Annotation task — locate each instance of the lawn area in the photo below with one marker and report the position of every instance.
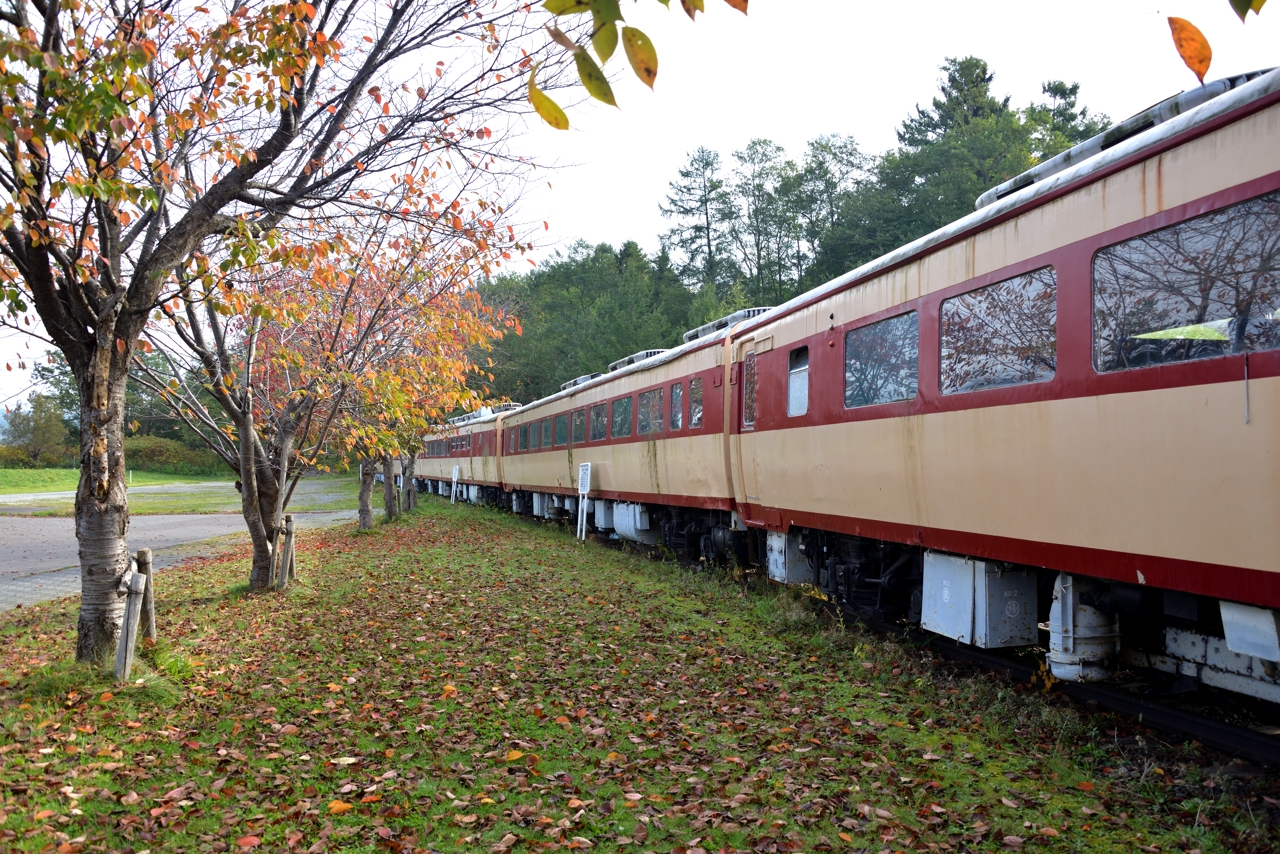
(463, 681)
(13, 481)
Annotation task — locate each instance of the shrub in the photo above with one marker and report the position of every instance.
(165, 456)
(14, 458)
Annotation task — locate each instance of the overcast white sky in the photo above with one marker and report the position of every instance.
(793, 70)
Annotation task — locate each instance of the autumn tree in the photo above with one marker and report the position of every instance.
(150, 146)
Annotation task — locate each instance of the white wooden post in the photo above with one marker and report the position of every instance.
(148, 595)
(453, 493)
(584, 488)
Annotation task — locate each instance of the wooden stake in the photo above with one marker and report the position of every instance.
(148, 595)
(290, 570)
(129, 630)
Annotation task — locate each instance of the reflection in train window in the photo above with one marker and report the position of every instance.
(511, 440)
(749, 389)
(695, 403)
(546, 432)
(579, 426)
(621, 417)
(524, 437)
(1002, 334)
(599, 422)
(798, 382)
(1206, 287)
(649, 412)
(534, 433)
(881, 361)
(677, 406)
(562, 429)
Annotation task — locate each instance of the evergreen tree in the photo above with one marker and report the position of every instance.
(699, 204)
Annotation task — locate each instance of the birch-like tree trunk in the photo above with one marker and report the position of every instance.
(390, 495)
(407, 465)
(366, 494)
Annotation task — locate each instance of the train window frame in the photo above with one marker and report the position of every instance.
(798, 382)
(562, 420)
(578, 434)
(1010, 347)
(750, 383)
(524, 437)
(696, 403)
(548, 433)
(912, 337)
(1117, 312)
(647, 420)
(621, 415)
(676, 419)
(602, 409)
(535, 435)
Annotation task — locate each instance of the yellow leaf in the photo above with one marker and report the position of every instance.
(641, 55)
(513, 755)
(1192, 46)
(546, 108)
(339, 807)
(593, 79)
(604, 39)
(692, 7)
(567, 7)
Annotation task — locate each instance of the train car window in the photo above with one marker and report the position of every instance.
(695, 403)
(579, 426)
(562, 429)
(882, 361)
(677, 406)
(621, 426)
(524, 437)
(1003, 334)
(546, 432)
(599, 422)
(511, 440)
(1206, 287)
(534, 433)
(749, 389)
(649, 413)
(798, 382)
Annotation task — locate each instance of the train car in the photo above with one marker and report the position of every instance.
(469, 444)
(1062, 411)
(652, 430)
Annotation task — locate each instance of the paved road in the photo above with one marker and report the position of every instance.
(39, 560)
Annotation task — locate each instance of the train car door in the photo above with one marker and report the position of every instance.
(740, 417)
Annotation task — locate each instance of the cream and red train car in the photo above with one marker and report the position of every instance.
(652, 429)
(465, 452)
(1062, 409)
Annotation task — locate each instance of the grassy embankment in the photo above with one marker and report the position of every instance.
(189, 494)
(461, 680)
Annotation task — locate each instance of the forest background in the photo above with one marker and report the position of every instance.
(759, 226)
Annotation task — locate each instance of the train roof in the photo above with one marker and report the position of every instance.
(1093, 157)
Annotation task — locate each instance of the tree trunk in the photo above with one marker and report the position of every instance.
(366, 494)
(390, 495)
(102, 507)
(252, 485)
(407, 465)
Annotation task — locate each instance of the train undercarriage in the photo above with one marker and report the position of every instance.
(1087, 628)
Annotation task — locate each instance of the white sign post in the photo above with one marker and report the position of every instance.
(453, 493)
(584, 487)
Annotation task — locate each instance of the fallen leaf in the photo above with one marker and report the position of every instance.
(1013, 842)
(513, 755)
(248, 842)
(339, 807)
(1084, 786)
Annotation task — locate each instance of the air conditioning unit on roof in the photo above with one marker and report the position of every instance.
(724, 323)
(585, 378)
(633, 358)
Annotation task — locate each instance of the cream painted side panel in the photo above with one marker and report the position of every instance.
(685, 465)
(1114, 472)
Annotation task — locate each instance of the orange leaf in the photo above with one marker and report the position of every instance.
(339, 807)
(106, 695)
(1085, 786)
(1192, 46)
(741, 6)
(248, 842)
(513, 755)
(43, 814)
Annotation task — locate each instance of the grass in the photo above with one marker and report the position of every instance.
(16, 481)
(463, 681)
(219, 495)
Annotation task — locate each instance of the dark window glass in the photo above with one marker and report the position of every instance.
(1206, 287)
(695, 403)
(562, 429)
(534, 436)
(881, 361)
(677, 406)
(524, 437)
(1003, 334)
(749, 389)
(798, 382)
(579, 426)
(511, 439)
(649, 412)
(599, 422)
(621, 417)
(546, 432)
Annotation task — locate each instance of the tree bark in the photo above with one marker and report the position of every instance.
(408, 464)
(366, 494)
(390, 495)
(102, 507)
